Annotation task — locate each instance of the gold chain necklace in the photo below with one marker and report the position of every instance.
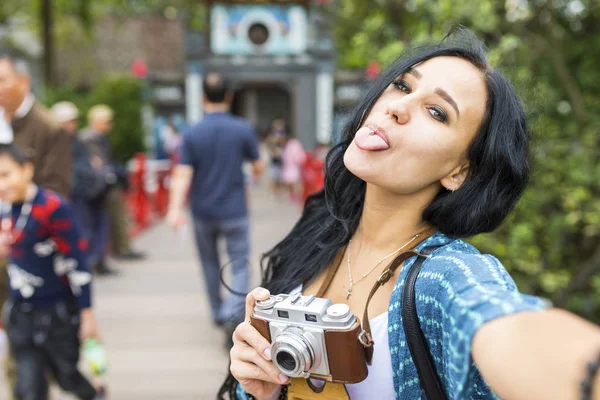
(352, 281)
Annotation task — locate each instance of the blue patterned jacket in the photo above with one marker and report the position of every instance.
(458, 290)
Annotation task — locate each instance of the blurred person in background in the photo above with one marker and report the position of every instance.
(49, 308)
(6, 136)
(212, 155)
(293, 157)
(89, 187)
(97, 222)
(274, 142)
(171, 139)
(95, 137)
(37, 133)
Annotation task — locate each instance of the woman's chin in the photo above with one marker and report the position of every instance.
(356, 162)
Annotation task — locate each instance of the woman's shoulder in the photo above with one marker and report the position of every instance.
(457, 273)
(447, 244)
(456, 259)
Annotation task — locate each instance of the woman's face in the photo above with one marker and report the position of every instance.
(419, 130)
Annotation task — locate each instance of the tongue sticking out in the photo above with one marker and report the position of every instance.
(366, 139)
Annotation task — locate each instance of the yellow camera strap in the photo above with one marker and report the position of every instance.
(300, 389)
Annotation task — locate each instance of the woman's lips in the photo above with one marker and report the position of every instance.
(379, 131)
(371, 138)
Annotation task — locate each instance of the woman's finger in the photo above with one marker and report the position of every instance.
(257, 294)
(246, 333)
(248, 354)
(244, 371)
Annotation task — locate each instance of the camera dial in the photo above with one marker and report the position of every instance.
(269, 303)
(338, 311)
(266, 304)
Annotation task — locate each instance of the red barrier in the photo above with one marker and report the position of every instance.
(141, 196)
(313, 175)
(148, 196)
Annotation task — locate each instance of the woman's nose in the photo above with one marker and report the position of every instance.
(398, 110)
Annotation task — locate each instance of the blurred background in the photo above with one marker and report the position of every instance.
(301, 66)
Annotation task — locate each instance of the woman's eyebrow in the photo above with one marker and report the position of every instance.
(414, 73)
(444, 95)
(440, 92)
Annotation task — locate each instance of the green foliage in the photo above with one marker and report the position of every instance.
(193, 10)
(88, 12)
(551, 242)
(124, 95)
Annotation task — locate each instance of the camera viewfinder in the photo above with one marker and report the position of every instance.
(310, 317)
(283, 314)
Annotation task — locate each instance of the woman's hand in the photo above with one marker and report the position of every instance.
(251, 355)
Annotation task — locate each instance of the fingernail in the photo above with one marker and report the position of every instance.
(283, 378)
(267, 353)
(263, 292)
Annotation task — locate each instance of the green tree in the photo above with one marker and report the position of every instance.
(123, 94)
(46, 17)
(548, 49)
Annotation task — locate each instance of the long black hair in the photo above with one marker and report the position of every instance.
(498, 174)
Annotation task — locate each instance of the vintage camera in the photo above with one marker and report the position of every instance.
(312, 338)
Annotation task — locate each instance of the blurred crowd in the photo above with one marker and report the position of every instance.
(44, 153)
(294, 172)
(98, 185)
(78, 164)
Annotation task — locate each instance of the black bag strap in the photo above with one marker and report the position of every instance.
(419, 350)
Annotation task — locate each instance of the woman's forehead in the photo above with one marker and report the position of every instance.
(448, 66)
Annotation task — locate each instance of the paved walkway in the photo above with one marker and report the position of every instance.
(155, 320)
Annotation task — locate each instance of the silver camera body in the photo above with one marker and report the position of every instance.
(297, 326)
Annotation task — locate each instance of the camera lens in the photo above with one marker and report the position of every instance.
(286, 361)
(295, 352)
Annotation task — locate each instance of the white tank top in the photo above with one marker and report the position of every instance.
(379, 384)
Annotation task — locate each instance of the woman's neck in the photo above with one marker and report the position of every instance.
(389, 220)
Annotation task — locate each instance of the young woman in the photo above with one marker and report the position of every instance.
(436, 151)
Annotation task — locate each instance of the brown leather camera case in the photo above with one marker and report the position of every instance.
(262, 327)
(347, 362)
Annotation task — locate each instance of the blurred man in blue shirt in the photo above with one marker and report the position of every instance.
(212, 155)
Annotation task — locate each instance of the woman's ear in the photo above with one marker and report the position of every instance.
(456, 178)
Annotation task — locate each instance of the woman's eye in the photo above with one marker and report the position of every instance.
(402, 85)
(438, 114)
